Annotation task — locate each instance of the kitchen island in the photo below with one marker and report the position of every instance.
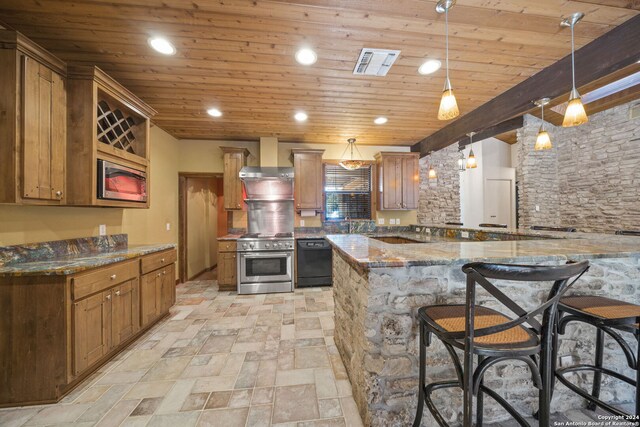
(378, 288)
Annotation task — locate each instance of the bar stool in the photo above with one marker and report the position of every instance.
(488, 225)
(494, 337)
(546, 228)
(609, 316)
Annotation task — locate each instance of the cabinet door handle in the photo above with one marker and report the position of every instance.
(164, 272)
(159, 274)
(238, 205)
(108, 297)
(112, 277)
(59, 194)
(118, 293)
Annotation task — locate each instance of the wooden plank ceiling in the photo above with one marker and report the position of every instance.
(238, 56)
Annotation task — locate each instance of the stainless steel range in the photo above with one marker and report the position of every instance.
(265, 254)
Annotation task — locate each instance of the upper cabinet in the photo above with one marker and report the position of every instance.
(398, 180)
(108, 123)
(33, 130)
(307, 166)
(235, 158)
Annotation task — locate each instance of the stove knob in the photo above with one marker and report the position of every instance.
(244, 246)
(267, 245)
(276, 245)
(251, 245)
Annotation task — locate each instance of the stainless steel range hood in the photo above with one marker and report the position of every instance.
(267, 184)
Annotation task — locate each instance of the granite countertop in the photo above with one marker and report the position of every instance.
(71, 263)
(365, 252)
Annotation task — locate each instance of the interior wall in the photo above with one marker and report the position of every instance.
(439, 200)
(494, 162)
(202, 224)
(590, 179)
(25, 224)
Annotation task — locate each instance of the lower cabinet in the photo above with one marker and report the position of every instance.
(158, 293)
(55, 329)
(227, 266)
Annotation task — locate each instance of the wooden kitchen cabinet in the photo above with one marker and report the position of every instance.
(398, 180)
(57, 329)
(234, 159)
(307, 167)
(33, 123)
(227, 265)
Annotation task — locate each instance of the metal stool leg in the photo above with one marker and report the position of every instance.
(480, 398)
(467, 389)
(421, 368)
(597, 375)
(638, 378)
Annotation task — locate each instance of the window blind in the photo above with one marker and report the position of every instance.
(347, 193)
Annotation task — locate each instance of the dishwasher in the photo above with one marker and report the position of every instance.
(314, 262)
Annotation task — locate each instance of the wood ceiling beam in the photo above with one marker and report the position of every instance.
(609, 53)
(500, 128)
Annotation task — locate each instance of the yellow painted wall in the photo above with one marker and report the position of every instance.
(205, 156)
(268, 151)
(24, 224)
(202, 224)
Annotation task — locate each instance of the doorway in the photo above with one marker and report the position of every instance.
(202, 219)
(499, 201)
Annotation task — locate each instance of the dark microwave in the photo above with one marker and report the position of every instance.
(117, 182)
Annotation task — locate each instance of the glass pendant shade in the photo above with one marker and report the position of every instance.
(448, 106)
(575, 114)
(543, 141)
(462, 163)
(351, 164)
(472, 163)
(432, 173)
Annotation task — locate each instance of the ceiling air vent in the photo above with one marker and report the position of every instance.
(375, 62)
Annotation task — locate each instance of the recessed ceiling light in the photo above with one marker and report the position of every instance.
(429, 66)
(162, 45)
(214, 112)
(306, 56)
(301, 116)
(380, 120)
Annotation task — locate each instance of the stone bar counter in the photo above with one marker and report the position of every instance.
(379, 286)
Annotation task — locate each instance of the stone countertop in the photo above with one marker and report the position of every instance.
(229, 237)
(365, 252)
(72, 264)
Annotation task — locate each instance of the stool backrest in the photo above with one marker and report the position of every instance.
(562, 276)
(488, 225)
(546, 228)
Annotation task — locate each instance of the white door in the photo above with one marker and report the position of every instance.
(498, 202)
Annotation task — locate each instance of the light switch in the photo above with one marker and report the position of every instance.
(380, 221)
(537, 208)
(392, 221)
(168, 226)
(102, 229)
(302, 223)
(397, 221)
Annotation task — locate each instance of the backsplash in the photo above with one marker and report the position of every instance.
(62, 248)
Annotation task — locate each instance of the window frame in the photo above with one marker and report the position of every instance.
(372, 198)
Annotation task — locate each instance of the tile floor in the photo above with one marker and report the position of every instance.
(221, 359)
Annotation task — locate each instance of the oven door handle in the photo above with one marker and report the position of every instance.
(267, 255)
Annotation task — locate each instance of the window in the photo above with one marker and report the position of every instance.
(347, 193)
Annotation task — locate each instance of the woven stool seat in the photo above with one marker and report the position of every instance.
(602, 307)
(450, 318)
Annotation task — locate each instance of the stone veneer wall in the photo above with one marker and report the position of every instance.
(376, 335)
(589, 180)
(439, 200)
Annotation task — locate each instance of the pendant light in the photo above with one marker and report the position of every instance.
(448, 104)
(462, 160)
(472, 163)
(575, 114)
(543, 141)
(432, 172)
(351, 164)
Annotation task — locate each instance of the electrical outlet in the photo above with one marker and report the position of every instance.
(417, 229)
(302, 223)
(537, 208)
(102, 229)
(397, 221)
(380, 221)
(566, 360)
(464, 234)
(168, 226)
(392, 221)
